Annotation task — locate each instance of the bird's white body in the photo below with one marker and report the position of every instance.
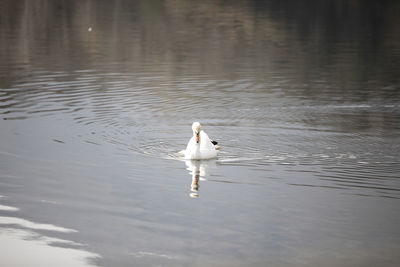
(200, 145)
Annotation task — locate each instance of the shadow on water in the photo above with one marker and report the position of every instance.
(198, 169)
(201, 171)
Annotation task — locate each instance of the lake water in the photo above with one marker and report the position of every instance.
(98, 97)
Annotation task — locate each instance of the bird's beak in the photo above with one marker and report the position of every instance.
(197, 137)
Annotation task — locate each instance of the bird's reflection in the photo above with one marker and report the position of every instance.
(198, 169)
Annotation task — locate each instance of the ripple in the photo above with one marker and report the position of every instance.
(255, 123)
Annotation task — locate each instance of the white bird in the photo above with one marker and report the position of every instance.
(200, 146)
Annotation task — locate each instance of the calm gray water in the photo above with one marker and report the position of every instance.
(97, 98)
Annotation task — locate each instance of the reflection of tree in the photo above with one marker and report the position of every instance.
(343, 42)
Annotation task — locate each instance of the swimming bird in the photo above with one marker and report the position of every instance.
(200, 146)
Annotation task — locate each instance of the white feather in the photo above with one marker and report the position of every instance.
(204, 149)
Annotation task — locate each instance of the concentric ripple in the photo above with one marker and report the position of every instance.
(151, 115)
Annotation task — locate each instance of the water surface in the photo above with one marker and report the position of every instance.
(97, 98)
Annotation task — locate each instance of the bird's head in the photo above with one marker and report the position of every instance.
(196, 130)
